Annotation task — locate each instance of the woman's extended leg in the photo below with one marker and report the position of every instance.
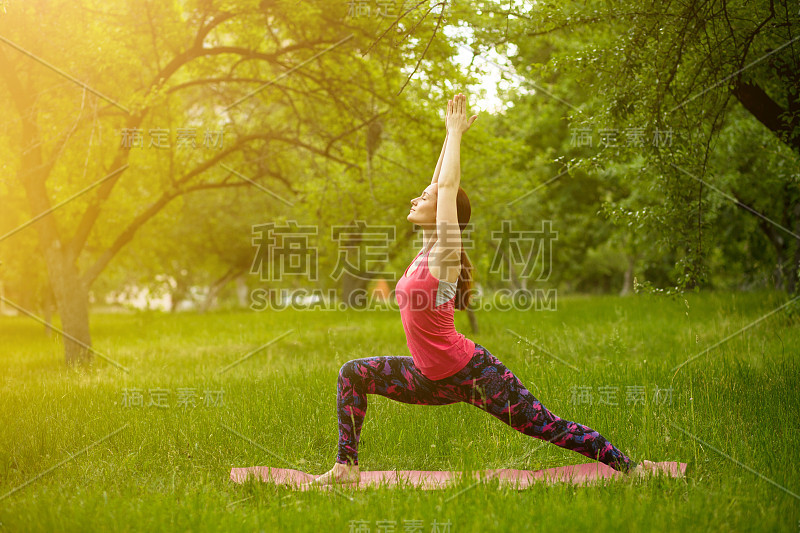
(394, 377)
(498, 391)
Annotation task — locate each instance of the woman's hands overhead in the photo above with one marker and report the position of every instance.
(456, 116)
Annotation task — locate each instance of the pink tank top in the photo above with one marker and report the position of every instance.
(437, 349)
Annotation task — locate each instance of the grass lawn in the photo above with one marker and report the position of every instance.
(732, 414)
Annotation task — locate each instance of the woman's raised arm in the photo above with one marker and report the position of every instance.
(439, 163)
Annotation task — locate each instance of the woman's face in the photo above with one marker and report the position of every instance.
(423, 207)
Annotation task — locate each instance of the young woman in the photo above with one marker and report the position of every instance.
(445, 367)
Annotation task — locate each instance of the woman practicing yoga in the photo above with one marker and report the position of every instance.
(445, 367)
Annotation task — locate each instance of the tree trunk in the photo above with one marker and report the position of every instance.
(795, 263)
(180, 292)
(473, 320)
(71, 295)
(241, 291)
(217, 286)
(352, 286)
(72, 301)
(790, 217)
(48, 308)
(778, 277)
(627, 283)
(512, 273)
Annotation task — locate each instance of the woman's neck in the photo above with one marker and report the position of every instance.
(428, 238)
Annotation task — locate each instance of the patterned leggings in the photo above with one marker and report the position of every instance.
(484, 382)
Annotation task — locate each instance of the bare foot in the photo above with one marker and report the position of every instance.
(340, 473)
(644, 469)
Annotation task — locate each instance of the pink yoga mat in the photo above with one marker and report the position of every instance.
(432, 479)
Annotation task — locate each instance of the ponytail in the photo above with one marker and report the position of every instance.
(464, 287)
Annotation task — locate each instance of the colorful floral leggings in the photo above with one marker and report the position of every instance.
(484, 382)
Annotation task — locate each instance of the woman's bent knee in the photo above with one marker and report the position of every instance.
(349, 370)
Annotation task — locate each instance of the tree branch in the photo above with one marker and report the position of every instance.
(767, 111)
(438, 23)
(127, 234)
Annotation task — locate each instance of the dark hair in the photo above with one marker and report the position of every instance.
(464, 287)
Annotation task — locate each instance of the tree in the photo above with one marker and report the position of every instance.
(667, 68)
(187, 70)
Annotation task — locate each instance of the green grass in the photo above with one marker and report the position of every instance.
(168, 468)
